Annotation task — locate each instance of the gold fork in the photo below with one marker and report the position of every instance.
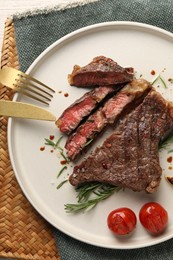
(25, 84)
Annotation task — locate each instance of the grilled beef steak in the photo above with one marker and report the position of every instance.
(101, 71)
(107, 114)
(129, 157)
(85, 133)
(73, 115)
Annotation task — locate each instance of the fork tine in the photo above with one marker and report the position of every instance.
(27, 89)
(35, 80)
(33, 97)
(29, 83)
(29, 86)
(26, 85)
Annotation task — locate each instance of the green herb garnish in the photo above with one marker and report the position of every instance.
(87, 143)
(166, 142)
(53, 144)
(61, 171)
(61, 184)
(85, 191)
(65, 157)
(98, 191)
(161, 80)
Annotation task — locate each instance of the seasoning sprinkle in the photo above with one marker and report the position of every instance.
(169, 159)
(153, 72)
(51, 143)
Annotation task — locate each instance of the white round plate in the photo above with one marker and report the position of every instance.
(141, 46)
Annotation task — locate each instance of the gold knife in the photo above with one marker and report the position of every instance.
(24, 110)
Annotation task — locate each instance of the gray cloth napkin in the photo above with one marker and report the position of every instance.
(36, 31)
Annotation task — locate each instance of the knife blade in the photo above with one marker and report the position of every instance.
(24, 110)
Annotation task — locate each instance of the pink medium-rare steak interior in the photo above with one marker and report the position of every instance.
(101, 71)
(74, 114)
(105, 115)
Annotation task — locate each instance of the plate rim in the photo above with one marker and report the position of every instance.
(132, 25)
(96, 26)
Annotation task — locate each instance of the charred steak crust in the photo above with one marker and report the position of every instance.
(74, 114)
(129, 157)
(107, 114)
(101, 71)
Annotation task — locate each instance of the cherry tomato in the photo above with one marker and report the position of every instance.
(153, 217)
(121, 221)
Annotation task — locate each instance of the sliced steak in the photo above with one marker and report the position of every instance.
(73, 115)
(85, 134)
(107, 114)
(101, 71)
(129, 157)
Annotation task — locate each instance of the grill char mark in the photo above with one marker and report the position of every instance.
(117, 171)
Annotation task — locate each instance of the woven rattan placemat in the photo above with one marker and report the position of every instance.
(24, 234)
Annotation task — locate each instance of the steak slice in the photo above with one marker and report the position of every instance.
(129, 157)
(107, 114)
(73, 115)
(101, 71)
(85, 134)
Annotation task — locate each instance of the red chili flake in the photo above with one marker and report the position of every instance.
(63, 162)
(170, 179)
(169, 159)
(42, 148)
(153, 72)
(51, 137)
(66, 94)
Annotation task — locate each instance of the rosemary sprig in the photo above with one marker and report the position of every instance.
(87, 143)
(101, 192)
(61, 184)
(53, 144)
(56, 146)
(166, 142)
(163, 82)
(61, 171)
(85, 191)
(161, 79)
(64, 157)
